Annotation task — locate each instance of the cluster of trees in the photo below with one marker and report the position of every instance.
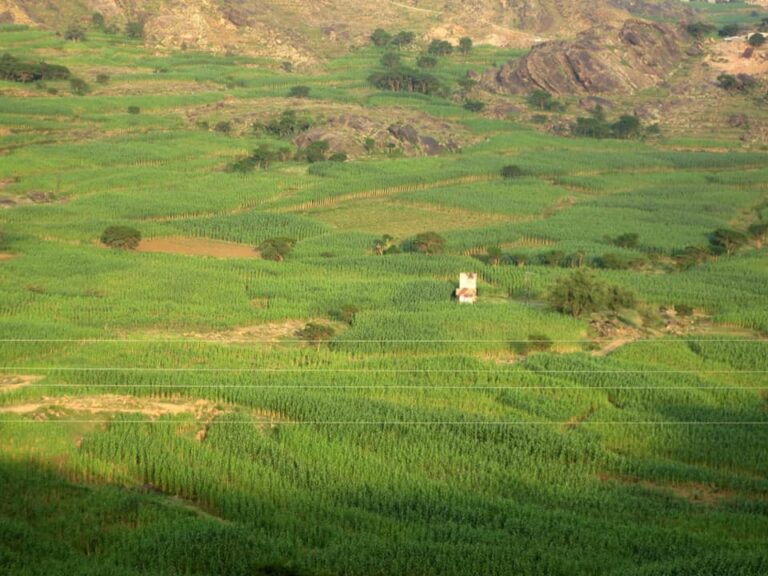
(424, 243)
(403, 79)
(16, 70)
(583, 293)
(133, 29)
(287, 125)
(262, 157)
(400, 78)
(596, 125)
(266, 154)
(381, 38)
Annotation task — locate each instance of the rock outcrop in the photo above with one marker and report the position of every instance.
(603, 60)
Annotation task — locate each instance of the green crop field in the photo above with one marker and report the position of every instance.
(160, 412)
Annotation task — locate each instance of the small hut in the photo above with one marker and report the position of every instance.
(466, 293)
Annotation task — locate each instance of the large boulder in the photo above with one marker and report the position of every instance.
(603, 60)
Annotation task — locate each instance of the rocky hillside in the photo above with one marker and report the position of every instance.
(302, 31)
(602, 60)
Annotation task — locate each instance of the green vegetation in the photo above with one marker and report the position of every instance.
(600, 410)
(123, 237)
(21, 71)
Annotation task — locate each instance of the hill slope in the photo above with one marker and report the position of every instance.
(300, 31)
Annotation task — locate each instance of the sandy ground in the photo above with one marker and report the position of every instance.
(6, 256)
(729, 57)
(197, 247)
(114, 403)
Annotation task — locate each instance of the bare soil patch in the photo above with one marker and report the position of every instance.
(113, 403)
(270, 331)
(6, 256)
(197, 247)
(694, 492)
(730, 57)
(11, 382)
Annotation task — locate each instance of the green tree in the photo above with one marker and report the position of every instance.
(627, 240)
(728, 240)
(474, 105)
(402, 38)
(79, 86)
(298, 92)
(74, 34)
(495, 255)
(390, 59)
(315, 151)
(135, 30)
(276, 249)
(380, 245)
(380, 37)
(440, 48)
(757, 40)
(511, 171)
(425, 243)
(578, 293)
(700, 29)
(122, 237)
(465, 45)
(97, 20)
(426, 61)
(626, 127)
(316, 333)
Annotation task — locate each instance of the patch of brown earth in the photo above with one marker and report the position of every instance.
(113, 403)
(6, 256)
(694, 492)
(735, 57)
(197, 247)
(270, 331)
(10, 382)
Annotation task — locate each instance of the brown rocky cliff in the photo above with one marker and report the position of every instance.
(603, 60)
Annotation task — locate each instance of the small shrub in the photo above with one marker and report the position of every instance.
(74, 34)
(426, 62)
(299, 92)
(474, 105)
(102, 78)
(757, 40)
(380, 37)
(79, 86)
(122, 237)
(134, 110)
(683, 310)
(316, 333)
(276, 249)
(135, 30)
(338, 157)
(511, 171)
(440, 48)
(223, 127)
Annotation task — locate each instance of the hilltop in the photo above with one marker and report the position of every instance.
(300, 32)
